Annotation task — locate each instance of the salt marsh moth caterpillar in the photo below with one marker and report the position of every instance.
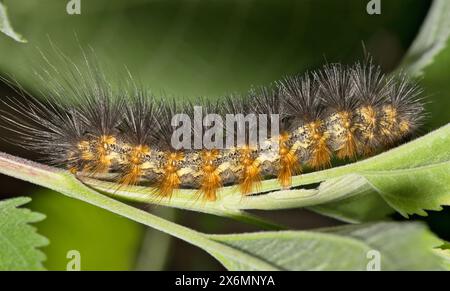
(342, 111)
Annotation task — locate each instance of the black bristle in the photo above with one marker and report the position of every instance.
(163, 128)
(140, 115)
(43, 126)
(406, 96)
(198, 112)
(301, 102)
(236, 104)
(336, 87)
(269, 101)
(370, 84)
(265, 100)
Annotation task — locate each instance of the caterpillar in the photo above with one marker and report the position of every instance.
(339, 111)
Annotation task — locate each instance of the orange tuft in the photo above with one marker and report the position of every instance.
(321, 154)
(251, 174)
(404, 126)
(85, 150)
(211, 180)
(170, 179)
(348, 150)
(96, 154)
(389, 122)
(368, 127)
(103, 157)
(350, 144)
(73, 170)
(289, 164)
(369, 115)
(133, 171)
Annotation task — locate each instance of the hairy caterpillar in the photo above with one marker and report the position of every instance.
(342, 111)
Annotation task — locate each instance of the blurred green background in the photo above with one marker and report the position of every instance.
(197, 48)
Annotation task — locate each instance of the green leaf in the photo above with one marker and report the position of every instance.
(412, 191)
(73, 225)
(402, 246)
(436, 84)
(6, 27)
(432, 38)
(18, 240)
(410, 166)
(444, 252)
(237, 253)
(365, 207)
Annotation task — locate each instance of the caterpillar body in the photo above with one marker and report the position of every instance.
(338, 111)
